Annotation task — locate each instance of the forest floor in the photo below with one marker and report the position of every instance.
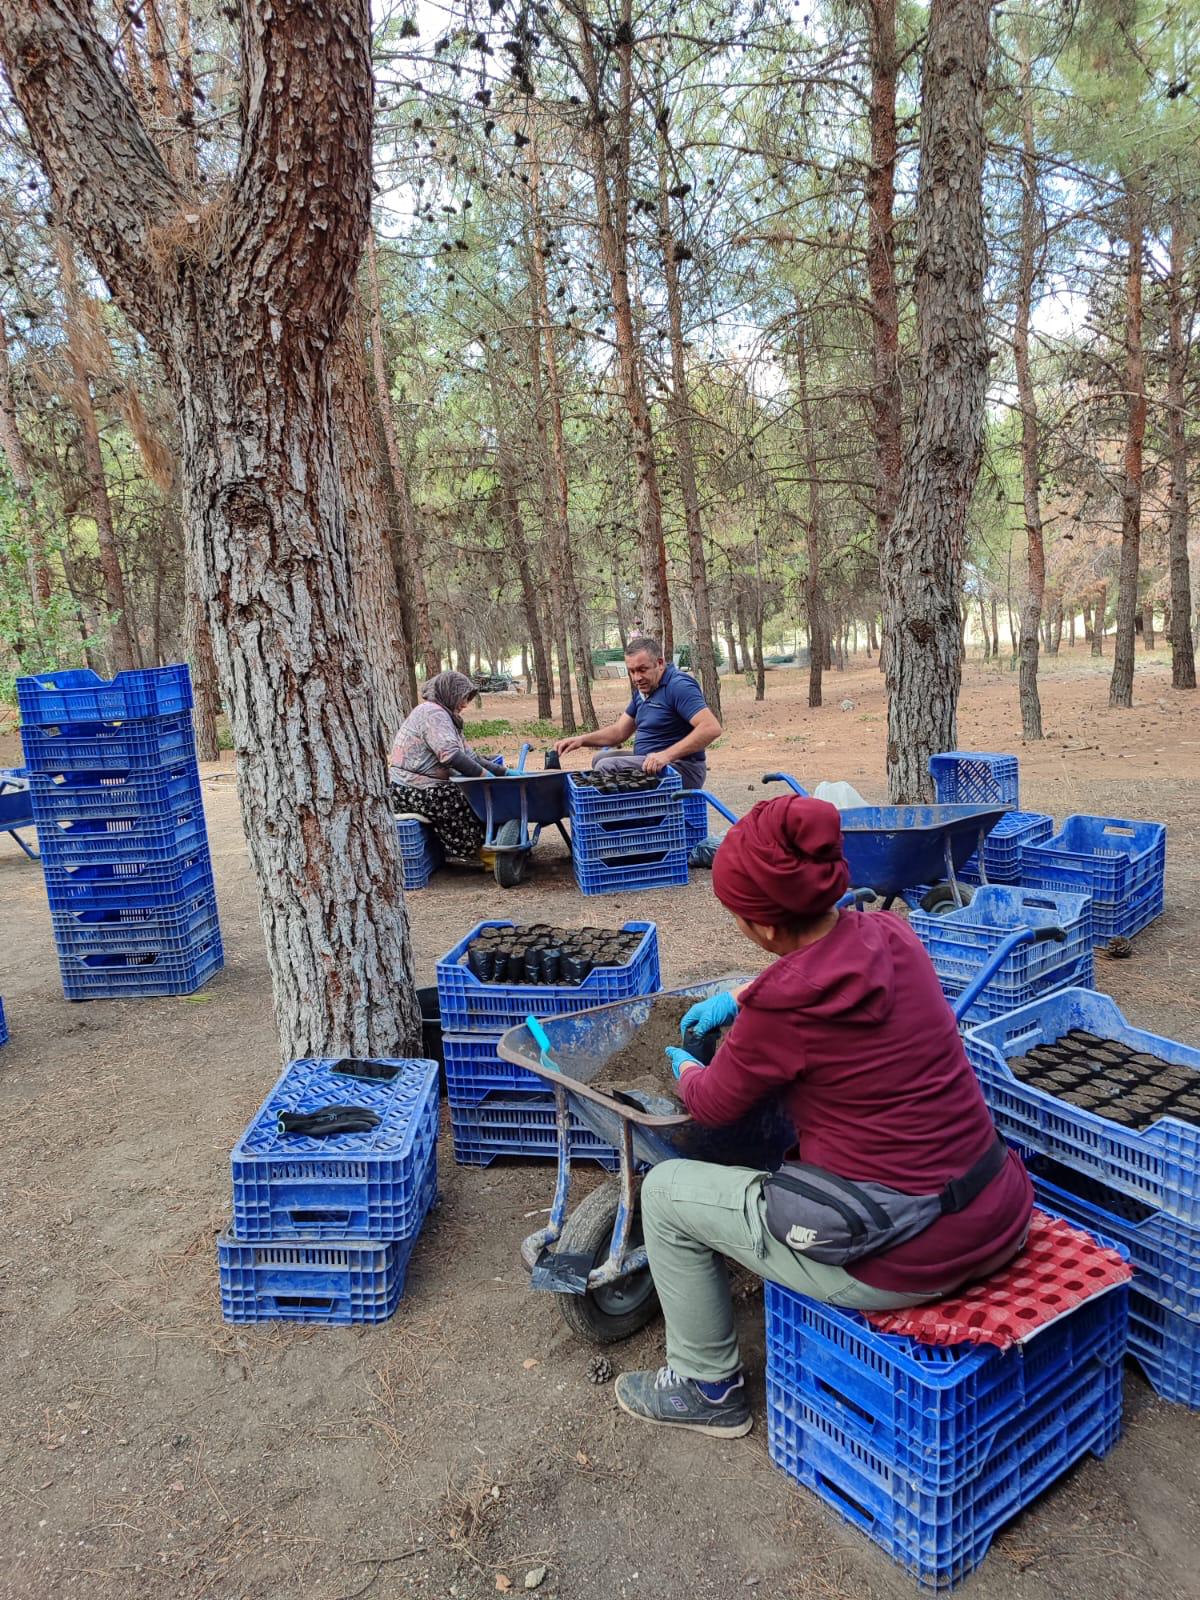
(150, 1451)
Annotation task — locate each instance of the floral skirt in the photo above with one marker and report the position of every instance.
(448, 812)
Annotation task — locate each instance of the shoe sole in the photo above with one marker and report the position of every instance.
(736, 1430)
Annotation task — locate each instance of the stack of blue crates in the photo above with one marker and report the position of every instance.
(1120, 864)
(930, 1449)
(695, 818)
(496, 1108)
(960, 942)
(1140, 1187)
(3, 1025)
(988, 778)
(120, 820)
(627, 840)
(324, 1228)
(421, 853)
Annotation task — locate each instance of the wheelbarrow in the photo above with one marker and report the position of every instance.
(893, 848)
(514, 807)
(594, 1258)
(16, 806)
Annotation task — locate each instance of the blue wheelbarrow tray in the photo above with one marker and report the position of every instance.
(890, 848)
(514, 807)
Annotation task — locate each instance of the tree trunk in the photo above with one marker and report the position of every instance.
(552, 531)
(886, 393)
(1183, 655)
(608, 146)
(28, 512)
(376, 601)
(619, 604)
(1099, 619)
(996, 629)
(1056, 631)
(406, 555)
(921, 561)
(872, 637)
(1087, 621)
(731, 643)
(983, 618)
(247, 353)
(1071, 620)
(814, 599)
(760, 666)
(558, 494)
(1120, 690)
(204, 678)
(1147, 625)
(679, 417)
(76, 316)
(743, 627)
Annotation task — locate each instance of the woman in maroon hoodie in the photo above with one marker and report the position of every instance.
(898, 1189)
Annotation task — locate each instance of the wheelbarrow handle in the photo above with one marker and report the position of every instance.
(524, 751)
(785, 777)
(1015, 940)
(709, 799)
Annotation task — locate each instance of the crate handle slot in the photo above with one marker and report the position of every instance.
(362, 1067)
(854, 1509)
(306, 1302)
(845, 1401)
(1124, 833)
(312, 1218)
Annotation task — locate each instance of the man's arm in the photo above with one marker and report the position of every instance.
(616, 733)
(705, 728)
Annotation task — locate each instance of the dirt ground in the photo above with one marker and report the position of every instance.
(148, 1450)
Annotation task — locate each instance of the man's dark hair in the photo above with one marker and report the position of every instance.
(640, 642)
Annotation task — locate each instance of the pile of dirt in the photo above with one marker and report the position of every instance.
(1130, 1087)
(643, 1064)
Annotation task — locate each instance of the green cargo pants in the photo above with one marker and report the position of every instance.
(694, 1213)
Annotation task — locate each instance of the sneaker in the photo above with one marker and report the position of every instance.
(665, 1397)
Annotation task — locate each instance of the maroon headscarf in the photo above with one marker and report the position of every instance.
(782, 860)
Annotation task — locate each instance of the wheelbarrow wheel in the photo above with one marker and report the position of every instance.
(940, 901)
(510, 864)
(618, 1310)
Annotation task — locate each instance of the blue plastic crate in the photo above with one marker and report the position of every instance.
(3, 1025)
(658, 869)
(695, 817)
(110, 746)
(352, 1184)
(1159, 1164)
(960, 942)
(594, 842)
(644, 808)
(975, 777)
(1123, 921)
(154, 795)
(468, 1005)
(1107, 857)
(79, 695)
(941, 1535)
(932, 1411)
(474, 1070)
(131, 975)
(421, 853)
(1166, 1346)
(308, 1280)
(137, 886)
(520, 1125)
(1004, 846)
(175, 931)
(100, 841)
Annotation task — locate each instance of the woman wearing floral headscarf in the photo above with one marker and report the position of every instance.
(428, 748)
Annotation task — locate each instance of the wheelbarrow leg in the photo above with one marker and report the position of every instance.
(533, 1247)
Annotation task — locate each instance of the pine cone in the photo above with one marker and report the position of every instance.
(600, 1370)
(1118, 950)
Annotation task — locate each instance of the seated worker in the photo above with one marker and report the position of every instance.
(668, 717)
(849, 1028)
(428, 748)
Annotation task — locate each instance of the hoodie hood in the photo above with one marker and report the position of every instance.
(849, 974)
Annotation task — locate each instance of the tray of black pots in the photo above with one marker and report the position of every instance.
(539, 953)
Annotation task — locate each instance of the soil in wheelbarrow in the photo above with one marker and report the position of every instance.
(642, 1065)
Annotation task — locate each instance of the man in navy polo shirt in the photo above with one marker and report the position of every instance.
(668, 717)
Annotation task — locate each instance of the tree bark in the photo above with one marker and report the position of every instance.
(241, 297)
(76, 315)
(1056, 631)
(1183, 654)
(553, 534)
(983, 618)
(886, 393)
(1120, 689)
(921, 563)
(760, 666)
(1148, 626)
(204, 678)
(731, 643)
(406, 554)
(1099, 619)
(679, 418)
(29, 515)
(560, 499)
(1035, 550)
(1071, 621)
(814, 599)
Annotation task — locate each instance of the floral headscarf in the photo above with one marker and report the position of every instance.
(450, 690)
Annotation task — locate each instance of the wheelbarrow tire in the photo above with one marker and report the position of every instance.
(940, 901)
(510, 864)
(619, 1310)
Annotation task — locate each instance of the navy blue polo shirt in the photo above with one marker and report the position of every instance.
(665, 716)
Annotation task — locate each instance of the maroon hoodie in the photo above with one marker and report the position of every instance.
(854, 1034)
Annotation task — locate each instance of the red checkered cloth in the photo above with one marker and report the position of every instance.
(1059, 1269)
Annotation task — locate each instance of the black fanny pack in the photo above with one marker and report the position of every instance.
(836, 1220)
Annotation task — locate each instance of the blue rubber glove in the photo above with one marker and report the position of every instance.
(680, 1059)
(706, 1016)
